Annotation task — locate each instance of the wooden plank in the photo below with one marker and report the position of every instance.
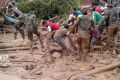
(14, 49)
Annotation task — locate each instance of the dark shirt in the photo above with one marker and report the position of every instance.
(85, 22)
(18, 25)
(112, 16)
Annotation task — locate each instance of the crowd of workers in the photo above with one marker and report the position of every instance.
(83, 29)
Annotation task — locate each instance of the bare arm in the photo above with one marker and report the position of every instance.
(75, 25)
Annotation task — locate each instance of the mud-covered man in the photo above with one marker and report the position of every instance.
(32, 28)
(19, 25)
(111, 18)
(55, 33)
(83, 25)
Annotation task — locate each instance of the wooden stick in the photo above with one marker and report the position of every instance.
(21, 61)
(14, 49)
(99, 70)
(4, 46)
(103, 69)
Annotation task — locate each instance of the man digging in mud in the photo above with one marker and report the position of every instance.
(55, 33)
(111, 17)
(61, 38)
(50, 27)
(19, 27)
(33, 29)
(82, 25)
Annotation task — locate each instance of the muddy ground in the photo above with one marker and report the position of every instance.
(22, 65)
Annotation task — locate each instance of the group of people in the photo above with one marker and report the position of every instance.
(82, 30)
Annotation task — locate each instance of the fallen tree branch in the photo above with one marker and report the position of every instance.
(14, 49)
(99, 70)
(3, 46)
(1, 42)
(21, 61)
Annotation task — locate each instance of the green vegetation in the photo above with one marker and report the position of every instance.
(46, 8)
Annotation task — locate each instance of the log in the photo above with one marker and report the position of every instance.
(21, 61)
(14, 49)
(103, 69)
(1, 42)
(4, 46)
(95, 71)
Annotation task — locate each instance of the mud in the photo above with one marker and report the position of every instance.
(22, 65)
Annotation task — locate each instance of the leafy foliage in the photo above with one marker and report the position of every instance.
(47, 8)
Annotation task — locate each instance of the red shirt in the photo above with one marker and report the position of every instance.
(98, 9)
(53, 25)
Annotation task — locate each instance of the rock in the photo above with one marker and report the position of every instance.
(4, 58)
(114, 52)
(91, 67)
(104, 44)
(12, 57)
(26, 67)
(4, 65)
(116, 71)
(56, 55)
(29, 67)
(39, 73)
(23, 78)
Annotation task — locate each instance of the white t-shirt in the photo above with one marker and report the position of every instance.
(71, 16)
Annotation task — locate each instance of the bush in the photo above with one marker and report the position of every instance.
(46, 8)
(24, 6)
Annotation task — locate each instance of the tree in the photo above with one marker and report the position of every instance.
(47, 8)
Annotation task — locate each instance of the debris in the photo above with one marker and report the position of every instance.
(14, 49)
(4, 58)
(3, 46)
(103, 69)
(12, 56)
(39, 73)
(24, 78)
(106, 62)
(116, 71)
(57, 55)
(106, 52)
(99, 70)
(29, 67)
(4, 65)
(114, 52)
(15, 43)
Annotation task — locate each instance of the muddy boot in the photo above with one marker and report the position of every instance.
(31, 48)
(22, 34)
(15, 35)
(85, 53)
(40, 39)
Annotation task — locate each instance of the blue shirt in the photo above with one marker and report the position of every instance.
(78, 13)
